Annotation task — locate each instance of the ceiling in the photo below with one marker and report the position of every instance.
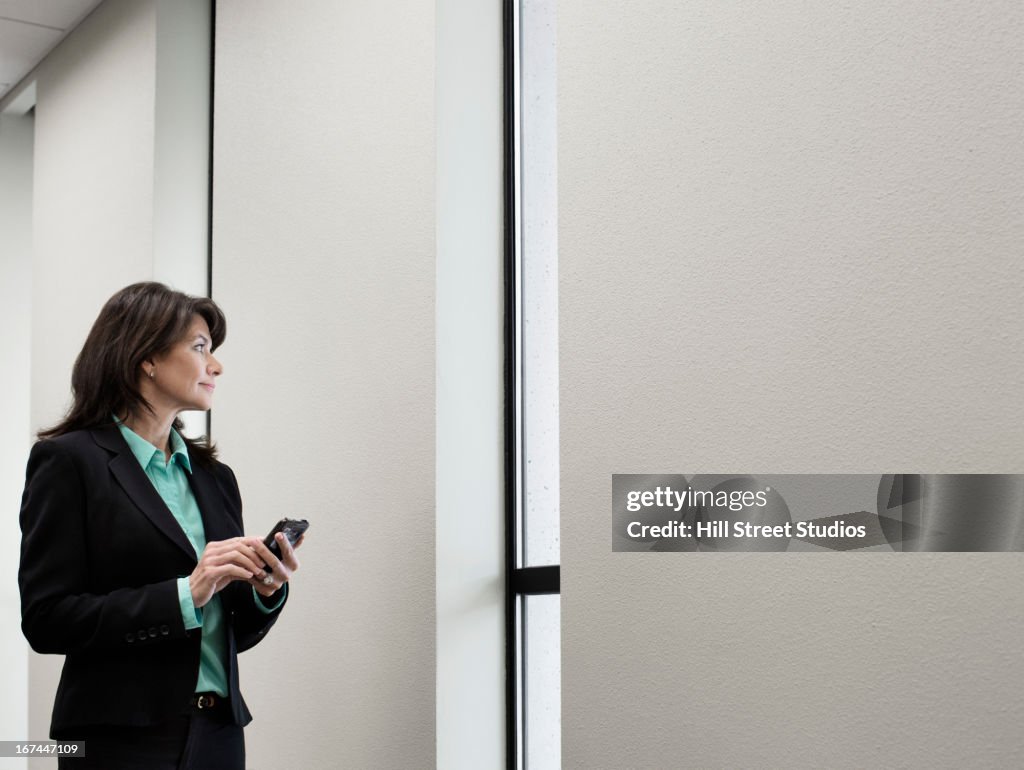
(29, 29)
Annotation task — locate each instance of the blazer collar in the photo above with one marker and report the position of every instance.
(129, 474)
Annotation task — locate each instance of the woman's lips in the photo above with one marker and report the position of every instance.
(208, 386)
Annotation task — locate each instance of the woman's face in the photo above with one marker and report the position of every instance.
(183, 378)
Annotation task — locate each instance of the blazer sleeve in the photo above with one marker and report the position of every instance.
(58, 614)
(249, 623)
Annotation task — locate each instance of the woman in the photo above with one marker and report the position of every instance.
(133, 559)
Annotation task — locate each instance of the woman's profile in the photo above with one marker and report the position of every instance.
(134, 562)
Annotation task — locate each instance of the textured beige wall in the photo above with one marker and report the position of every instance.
(324, 263)
(790, 241)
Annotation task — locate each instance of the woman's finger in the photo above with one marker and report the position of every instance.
(239, 555)
(288, 554)
(231, 571)
(261, 552)
(235, 551)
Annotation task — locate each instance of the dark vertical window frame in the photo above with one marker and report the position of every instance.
(209, 173)
(511, 406)
(209, 159)
(520, 582)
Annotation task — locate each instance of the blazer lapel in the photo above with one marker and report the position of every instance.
(216, 522)
(133, 480)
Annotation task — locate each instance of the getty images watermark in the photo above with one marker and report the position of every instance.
(818, 512)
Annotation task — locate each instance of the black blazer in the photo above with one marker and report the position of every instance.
(100, 557)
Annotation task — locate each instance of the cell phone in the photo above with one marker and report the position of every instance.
(293, 529)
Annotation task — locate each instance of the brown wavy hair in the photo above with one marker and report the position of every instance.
(139, 322)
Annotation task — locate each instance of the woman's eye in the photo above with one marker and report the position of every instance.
(200, 347)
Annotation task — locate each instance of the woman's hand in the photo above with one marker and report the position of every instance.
(282, 569)
(221, 562)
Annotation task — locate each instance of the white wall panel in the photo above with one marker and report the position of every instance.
(470, 388)
(15, 358)
(92, 217)
(100, 128)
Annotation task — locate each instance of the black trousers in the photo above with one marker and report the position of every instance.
(195, 741)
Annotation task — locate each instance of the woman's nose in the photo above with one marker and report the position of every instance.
(213, 366)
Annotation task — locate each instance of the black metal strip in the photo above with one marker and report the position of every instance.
(209, 158)
(209, 179)
(537, 580)
(511, 407)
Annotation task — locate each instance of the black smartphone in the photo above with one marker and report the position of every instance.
(293, 529)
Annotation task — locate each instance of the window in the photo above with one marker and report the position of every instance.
(533, 605)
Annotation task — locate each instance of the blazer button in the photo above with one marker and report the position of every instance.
(129, 637)
(152, 632)
(164, 630)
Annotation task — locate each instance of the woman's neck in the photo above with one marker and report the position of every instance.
(156, 429)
